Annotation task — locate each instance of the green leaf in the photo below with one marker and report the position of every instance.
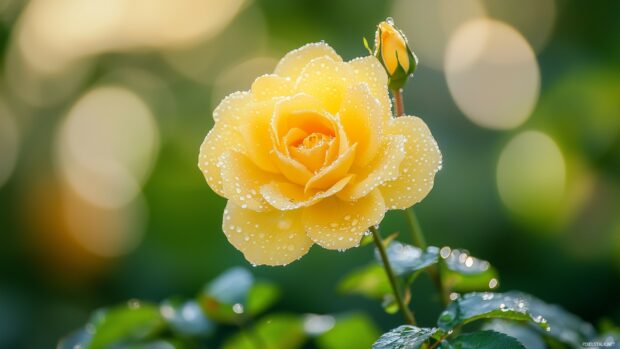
(404, 337)
(563, 326)
(77, 339)
(186, 318)
(351, 331)
(523, 332)
(261, 296)
(406, 259)
(225, 298)
(282, 331)
(461, 272)
(156, 344)
(483, 340)
(370, 281)
(133, 322)
(486, 305)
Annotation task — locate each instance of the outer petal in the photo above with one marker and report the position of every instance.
(223, 137)
(419, 167)
(257, 135)
(294, 62)
(360, 115)
(270, 238)
(327, 80)
(369, 70)
(269, 86)
(385, 167)
(287, 196)
(335, 224)
(242, 181)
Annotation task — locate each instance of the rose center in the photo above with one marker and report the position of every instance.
(311, 149)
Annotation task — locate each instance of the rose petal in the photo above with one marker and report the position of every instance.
(326, 80)
(287, 196)
(301, 111)
(333, 172)
(223, 137)
(369, 70)
(242, 181)
(294, 62)
(335, 224)
(255, 131)
(266, 238)
(360, 116)
(418, 169)
(270, 86)
(292, 169)
(384, 168)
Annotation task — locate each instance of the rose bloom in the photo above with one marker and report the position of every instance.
(312, 154)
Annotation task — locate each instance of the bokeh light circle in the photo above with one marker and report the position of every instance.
(535, 19)
(105, 232)
(531, 177)
(107, 145)
(428, 24)
(492, 74)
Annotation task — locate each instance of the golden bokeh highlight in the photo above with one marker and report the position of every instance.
(54, 34)
(203, 61)
(106, 146)
(104, 232)
(531, 177)
(492, 74)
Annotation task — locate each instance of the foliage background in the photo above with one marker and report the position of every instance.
(167, 240)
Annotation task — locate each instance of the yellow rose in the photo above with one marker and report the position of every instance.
(311, 154)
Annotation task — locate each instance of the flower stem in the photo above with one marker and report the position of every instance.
(398, 102)
(416, 230)
(407, 314)
(414, 224)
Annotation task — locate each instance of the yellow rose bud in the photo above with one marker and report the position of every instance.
(311, 154)
(392, 50)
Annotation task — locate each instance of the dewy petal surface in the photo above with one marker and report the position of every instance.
(294, 62)
(385, 167)
(287, 196)
(223, 137)
(335, 224)
(266, 238)
(333, 172)
(327, 80)
(360, 116)
(270, 86)
(242, 181)
(418, 169)
(369, 70)
(255, 131)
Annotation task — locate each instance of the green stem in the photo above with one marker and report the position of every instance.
(416, 229)
(399, 106)
(407, 314)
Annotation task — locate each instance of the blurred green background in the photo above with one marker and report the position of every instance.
(104, 103)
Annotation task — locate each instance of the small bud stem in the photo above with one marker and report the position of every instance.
(399, 106)
(407, 314)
